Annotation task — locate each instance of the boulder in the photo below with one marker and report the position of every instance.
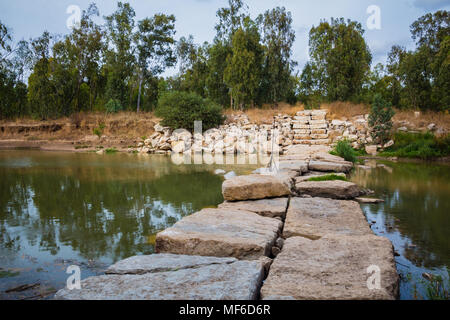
(332, 268)
(271, 208)
(328, 166)
(221, 233)
(170, 277)
(313, 218)
(337, 189)
(372, 150)
(178, 146)
(254, 187)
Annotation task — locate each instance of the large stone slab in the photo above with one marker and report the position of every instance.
(336, 189)
(294, 165)
(314, 218)
(271, 208)
(328, 166)
(221, 233)
(173, 278)
(332, 268)
(254, 187)
(162, 263)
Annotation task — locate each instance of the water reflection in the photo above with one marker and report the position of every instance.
(87, 207)
(415, 215)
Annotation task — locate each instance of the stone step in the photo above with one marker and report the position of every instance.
(313, 142)
(328, 166)
(332, 268)
(314, 218)
(255, 187)
(221, 233)
(329, 189)
(271, 208)
(173, 277)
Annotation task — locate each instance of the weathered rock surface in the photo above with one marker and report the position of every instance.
(267, 207)
(162, 263)
(328, 166)
(189, 279)
(314, 218)
(254, 187)
(332, 268)
(221, 233)
(294, 165)
(329, 189)
(369, 200)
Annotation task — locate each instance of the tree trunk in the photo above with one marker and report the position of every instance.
(139, 94)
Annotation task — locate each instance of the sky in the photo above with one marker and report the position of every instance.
(29, 18)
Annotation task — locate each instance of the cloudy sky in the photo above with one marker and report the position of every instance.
(29, 18)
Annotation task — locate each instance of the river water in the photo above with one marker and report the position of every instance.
(62, 209)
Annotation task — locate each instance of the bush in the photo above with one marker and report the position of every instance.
(179, 110)
(380, 119)
(344, 149)
(418, 145)
(113, 106)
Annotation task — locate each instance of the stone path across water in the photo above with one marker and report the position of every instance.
(321, 248)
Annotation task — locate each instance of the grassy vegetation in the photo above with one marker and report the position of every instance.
(328, 177)
(344, 149)
(110, 150)
(81, 147)
(418, 145)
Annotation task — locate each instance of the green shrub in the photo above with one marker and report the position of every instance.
(179, 110)
(380, 119)
(344, 149)
(99, 130)
(328, 177)
(110, 151)
(113, 106)
(418, 145)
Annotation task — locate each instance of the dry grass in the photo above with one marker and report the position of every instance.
(418, 120)
(265, 114)
(121, 125)
(342, 110)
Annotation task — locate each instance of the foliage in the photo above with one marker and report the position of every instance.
(180, 110)
(98, 131)
(111, 151)
(340, 60)
(113, 106)
(344, 149)
(328, 177)
(418, 145)
(380, 119)
(243, 71)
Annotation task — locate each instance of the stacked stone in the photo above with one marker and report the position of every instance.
(310, 127)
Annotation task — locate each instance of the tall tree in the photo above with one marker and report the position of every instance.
(243, 71)
(120, 58)
(340, 58)
(278, 39)
(154, 43)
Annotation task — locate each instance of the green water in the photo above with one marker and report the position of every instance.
(415, 217)
(60, 209)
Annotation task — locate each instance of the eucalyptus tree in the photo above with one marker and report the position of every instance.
(154, 42)
(278, 38)
(340, 58)
(120, 57)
